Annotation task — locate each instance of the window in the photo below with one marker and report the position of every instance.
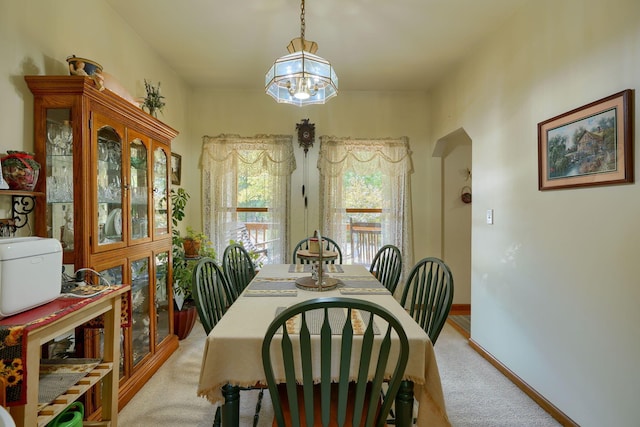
(363, 201)
(365, 198)
(246, 185)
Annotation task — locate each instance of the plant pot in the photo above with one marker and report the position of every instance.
(191, 248)
(184, 320)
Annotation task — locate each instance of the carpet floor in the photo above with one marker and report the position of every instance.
(476, 394)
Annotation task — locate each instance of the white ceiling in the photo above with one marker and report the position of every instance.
(372, 44)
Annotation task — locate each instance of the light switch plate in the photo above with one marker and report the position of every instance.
(490, 216)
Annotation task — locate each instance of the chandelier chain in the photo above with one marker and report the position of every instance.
(302, 21)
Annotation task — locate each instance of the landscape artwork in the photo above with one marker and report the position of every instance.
(584, 147)
(590, 145)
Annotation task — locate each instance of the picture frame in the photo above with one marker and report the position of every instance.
(588, 146)
(176, 168)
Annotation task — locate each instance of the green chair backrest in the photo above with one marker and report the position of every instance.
(387, 266)
(330, 245)
(428, 294)
(238, 266)
(211, 292)
(318, 322)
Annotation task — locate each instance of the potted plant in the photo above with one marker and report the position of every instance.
(153, 101)
(184, 313)
(183, 266)
(193, 242)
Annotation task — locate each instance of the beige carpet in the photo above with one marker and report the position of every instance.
(170, 397)
(476, 394)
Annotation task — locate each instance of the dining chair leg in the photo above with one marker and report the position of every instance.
(256, 417)
(216, 419)
(404, 404)
(231, 407)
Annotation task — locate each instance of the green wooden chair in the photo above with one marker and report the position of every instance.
(211, 292)
(387, 266)
(330, 245)
(298, 401)
(238, 266)
(428, 294)
(213, 295)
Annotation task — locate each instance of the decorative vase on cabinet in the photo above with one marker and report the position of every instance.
(106, 187)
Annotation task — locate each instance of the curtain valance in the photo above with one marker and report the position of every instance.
(392, 156)
(273, 152)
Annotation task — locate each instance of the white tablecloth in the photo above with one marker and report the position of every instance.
(232, 352)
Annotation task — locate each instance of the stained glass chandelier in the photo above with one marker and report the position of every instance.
(301, 77)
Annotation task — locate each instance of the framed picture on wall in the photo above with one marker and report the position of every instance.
(176, 168)
(591, 145)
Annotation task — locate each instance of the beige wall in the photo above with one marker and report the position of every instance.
(555, 280)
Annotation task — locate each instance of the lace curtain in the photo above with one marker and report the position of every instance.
(221, 156)
(392, 157)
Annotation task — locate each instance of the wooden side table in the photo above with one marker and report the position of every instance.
(41, 325)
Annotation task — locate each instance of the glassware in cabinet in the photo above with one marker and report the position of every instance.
(160, 192)
(109, 186)
(162, 298)
(59, 176)
(139, 187)
(141, 310)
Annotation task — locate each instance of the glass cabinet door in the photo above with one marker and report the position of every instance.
(114, 276)
(59, 176)
(110, 186)
(160, 192)
(139, 188)
(162, 297)
(141, 309)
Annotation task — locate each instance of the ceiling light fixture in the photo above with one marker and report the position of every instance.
(301, 78)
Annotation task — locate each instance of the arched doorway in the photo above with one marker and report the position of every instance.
(455, 152)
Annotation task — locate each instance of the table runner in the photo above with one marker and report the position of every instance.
(337, 317)
(271, 287)
(362, 285)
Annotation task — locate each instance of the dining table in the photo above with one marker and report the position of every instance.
(232, 357)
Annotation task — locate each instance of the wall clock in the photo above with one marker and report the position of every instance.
(306, 134)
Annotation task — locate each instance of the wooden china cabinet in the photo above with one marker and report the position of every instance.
(104, 177)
